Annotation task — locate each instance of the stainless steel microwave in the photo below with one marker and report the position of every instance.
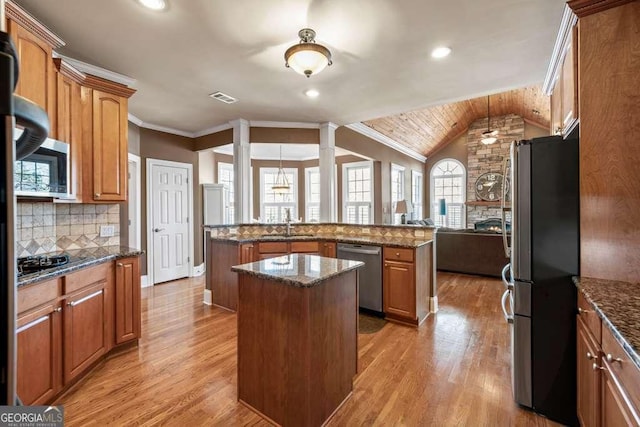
(45, 172)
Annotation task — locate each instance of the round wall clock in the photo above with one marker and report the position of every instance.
(489, 186)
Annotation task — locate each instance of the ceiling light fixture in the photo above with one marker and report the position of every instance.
(154, 4)
(440, 52)
(312, 93)
(307, 57)
(489, 136)
(281, 185)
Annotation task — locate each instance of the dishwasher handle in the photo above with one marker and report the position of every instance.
(360, 251)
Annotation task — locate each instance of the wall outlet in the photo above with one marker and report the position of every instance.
(107, 231)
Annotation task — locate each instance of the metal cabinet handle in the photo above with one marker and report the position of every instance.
(595, 367)
(97, 195)
(57, 309)
(591, 356)
(583, 311)
(398, 254)
(120, 265)
(611, 359)
(81, 300)
(157, 230)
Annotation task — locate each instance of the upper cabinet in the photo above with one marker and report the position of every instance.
(87, 112)
(562, 78)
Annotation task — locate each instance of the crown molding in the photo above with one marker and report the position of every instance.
(385, 140)
(569, 20)
(98, 71)
(329, 125)
(284, 125)
(136, 121)
(584, 8)
(69, 70)
(99, 83)
(16, 13)
(214, 129)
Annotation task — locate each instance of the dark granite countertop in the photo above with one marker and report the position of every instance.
(302, 271)
(361, 239)
(78, 259)
(618, 305)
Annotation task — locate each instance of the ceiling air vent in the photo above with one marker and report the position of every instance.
(223, 97)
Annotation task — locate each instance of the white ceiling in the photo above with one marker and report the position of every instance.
(381, 53)
(297, 152)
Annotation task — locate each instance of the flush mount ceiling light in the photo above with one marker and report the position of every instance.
(307, 57)
(440, 52)
(154, 4)
(312, 93)
(489, 136)
(281, 185)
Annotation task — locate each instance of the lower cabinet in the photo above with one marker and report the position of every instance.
(65, 325)
(588, 355)
(399, 289)
(328, 250)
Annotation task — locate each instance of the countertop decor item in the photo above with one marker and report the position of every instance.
(403, 207)
(307, 57)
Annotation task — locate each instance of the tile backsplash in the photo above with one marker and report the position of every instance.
(47, 227)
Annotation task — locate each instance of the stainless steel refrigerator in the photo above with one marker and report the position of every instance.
(544, 256)
(13, 110)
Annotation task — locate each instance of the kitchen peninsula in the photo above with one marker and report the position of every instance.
(408, 259)
(297, 336)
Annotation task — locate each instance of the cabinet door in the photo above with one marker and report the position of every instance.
(556, 109)
(127, 300)
(69, 129)
(588, 378)
(399, 289)
(85, 338)
(39, 355)
(109, 147)
(246, 253)
(37, 81)
(328, 249)
(615, 409)
(569, 87)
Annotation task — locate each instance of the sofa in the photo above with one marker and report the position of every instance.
(470, 251)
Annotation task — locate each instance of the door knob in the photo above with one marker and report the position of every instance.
(157, 230)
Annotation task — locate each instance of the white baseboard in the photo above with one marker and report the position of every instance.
(433, 304)
(208, 297)
(198, 270)
(144, 282)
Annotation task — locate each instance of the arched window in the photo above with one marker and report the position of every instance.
(448, 182)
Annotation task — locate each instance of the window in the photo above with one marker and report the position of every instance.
(35, 174)
(357, 192)
(448, 178)
(416, 194)
(397, 189)
(273, 206)
(312, 202)
(225, 176)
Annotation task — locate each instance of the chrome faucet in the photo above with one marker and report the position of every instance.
(288, 220)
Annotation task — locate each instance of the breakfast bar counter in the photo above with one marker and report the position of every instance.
(297, 336)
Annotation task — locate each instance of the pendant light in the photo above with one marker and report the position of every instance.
(282, 183)
(307, 57)
(489, 136)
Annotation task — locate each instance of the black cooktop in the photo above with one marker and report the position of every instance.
(32, 264)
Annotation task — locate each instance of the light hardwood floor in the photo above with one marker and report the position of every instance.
(454, 370)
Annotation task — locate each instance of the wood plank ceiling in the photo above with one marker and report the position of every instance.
(427, 130)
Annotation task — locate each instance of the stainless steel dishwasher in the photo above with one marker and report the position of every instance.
(370, 291)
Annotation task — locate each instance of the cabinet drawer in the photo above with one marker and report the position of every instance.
(302, 247)
(398, 254)
(32, 296)
(86, 277)
(621, 367)
(273, 247)
(589, 317)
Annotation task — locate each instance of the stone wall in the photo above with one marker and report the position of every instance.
(47, 227)
(488, 158)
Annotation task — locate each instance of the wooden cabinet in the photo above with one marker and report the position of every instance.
(328, 249)
(37, 80)
(564, 98)
(127, 300)
(86, 313)
(608, 380)
(588, 355)
(39, 343)
(247, 254)
(406, 283)
(105, 146)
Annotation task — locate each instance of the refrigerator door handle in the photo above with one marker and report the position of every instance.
(504, 205)
(507, 282)
(507, 316)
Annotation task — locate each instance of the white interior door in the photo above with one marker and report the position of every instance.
(134, 205)
(169, 222)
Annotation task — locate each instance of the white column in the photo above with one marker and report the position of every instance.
(241, 171)
(328, 195)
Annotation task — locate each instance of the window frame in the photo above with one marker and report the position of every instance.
(399, 190)
(345, 191)
(419, 178)
(293, 204)
(434, 202)
(223, 166)
(308, 203)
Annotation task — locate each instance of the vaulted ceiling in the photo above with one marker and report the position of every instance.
(426, 130)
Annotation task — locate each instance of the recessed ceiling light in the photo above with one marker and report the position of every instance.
(154, 4)
(440, 52)
(312, 93)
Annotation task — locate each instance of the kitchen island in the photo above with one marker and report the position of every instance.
(297, 336)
